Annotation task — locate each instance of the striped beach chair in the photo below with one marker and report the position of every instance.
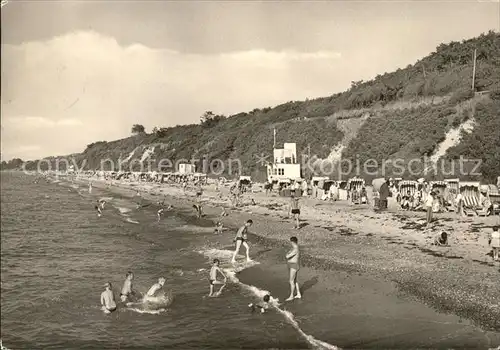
(470, 193)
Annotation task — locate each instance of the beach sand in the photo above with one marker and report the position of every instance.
(349, 248)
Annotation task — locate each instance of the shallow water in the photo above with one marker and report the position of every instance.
(56, 256)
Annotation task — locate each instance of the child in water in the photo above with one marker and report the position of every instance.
(213, 278)
(98, 209)
(219, 227)
(263, 306)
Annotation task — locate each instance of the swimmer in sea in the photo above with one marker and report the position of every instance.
(241, 239)
(219, 227)
(127, 291)
(156, 287)
(262, 306)
(292, 259)
(108, 299)
(103, 203)
(213, 278)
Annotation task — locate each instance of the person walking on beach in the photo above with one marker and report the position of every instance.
(459, 202)
(241, 239)
(127, 291)
(494, 241)
(292, 258)
(429, 203)
(294, 210)
(159, 213)
(219, 227)
(199, 190)
(213, 278)
(108, 299)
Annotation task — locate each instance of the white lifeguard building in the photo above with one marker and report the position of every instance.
(285, 165)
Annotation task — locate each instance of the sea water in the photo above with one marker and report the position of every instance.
(56, 255)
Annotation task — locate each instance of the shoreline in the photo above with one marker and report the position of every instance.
(438, 277)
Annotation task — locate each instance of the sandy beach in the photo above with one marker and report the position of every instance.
(351, 241)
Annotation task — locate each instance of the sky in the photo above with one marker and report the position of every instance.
(76, 72)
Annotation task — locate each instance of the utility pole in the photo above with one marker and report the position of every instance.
(274, 137)
(474, 70)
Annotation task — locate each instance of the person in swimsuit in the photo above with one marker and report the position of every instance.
(199, 191)
(127, 291)
(213, 278)
(294, 210)
(219, 227)
(241, 239)
(156, 287)
(108, 299)
(292, 258)
(199, 210)
(224, 213)
(98, 210)
(494, 242)
(159, 213)
(262, 306)
(102, 203)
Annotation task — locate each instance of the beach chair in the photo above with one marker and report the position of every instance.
(410, 188)
(354, 186)
(470, 193)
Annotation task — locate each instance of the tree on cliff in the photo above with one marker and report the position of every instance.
(209, 119)
(138, 129)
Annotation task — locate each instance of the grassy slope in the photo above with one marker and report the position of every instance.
(389, 132)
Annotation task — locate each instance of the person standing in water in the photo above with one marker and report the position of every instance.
(90, 187)
(108, 299)
(127, 291)
(159, 213)
(213, 278)
(199, 210)
(241, 239)
(294, 210)
(429, 203)
(199, 190)
(293, 261)
(219, 227)
(98, 209)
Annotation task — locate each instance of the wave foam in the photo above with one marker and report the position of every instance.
(123, 210)
(152, 305)
(231, 272)
(3, 347)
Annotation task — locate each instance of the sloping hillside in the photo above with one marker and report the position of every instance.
(403, 114)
